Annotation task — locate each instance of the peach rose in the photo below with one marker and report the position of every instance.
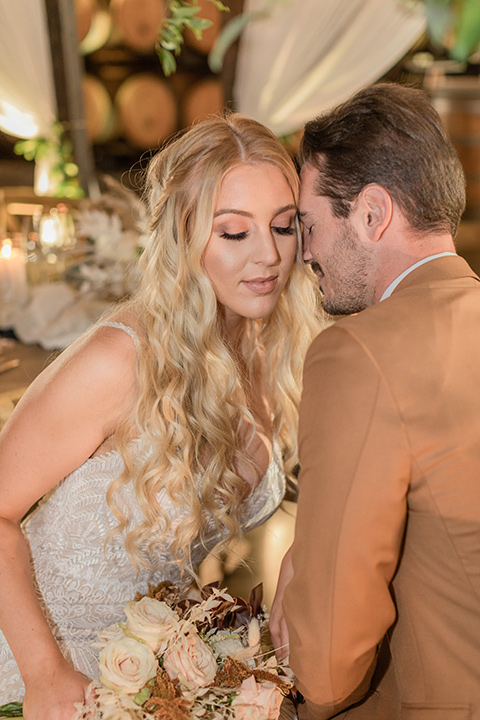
(126, 665)
(191, 661)
(152, 621)
(257, 701)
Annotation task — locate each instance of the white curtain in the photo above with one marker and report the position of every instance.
(27, 95)
(309, 55)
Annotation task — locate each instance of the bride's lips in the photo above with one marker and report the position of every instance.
(262, 286)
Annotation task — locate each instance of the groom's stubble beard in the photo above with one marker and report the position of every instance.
(348, 286)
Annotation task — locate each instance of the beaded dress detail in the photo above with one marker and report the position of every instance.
(82, 585)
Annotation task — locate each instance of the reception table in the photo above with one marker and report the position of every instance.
(32, 359)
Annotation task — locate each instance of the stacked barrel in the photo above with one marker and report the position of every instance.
(129, 103)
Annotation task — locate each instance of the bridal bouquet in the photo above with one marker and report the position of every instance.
(179, 658)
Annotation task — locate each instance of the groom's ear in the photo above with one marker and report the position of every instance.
(374, 211)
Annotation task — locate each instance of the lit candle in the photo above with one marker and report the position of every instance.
(13, 282)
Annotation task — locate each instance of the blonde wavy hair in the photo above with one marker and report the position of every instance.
(191, 407)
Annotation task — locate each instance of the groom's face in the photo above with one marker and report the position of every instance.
(332, 247)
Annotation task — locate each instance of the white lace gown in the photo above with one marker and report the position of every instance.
(84, 588)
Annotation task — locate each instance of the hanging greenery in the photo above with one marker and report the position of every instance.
(455, 26)
(180, 16)
(58, 150)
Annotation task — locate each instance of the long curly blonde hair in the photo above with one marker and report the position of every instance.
(191, 407)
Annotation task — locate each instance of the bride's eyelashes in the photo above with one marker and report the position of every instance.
(290, 230)
(234, 236)
(279, 230)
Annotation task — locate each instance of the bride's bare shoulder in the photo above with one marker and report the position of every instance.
(106, 354)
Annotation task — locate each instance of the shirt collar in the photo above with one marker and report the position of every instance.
(406, 272)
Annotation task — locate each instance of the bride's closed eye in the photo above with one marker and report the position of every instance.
(290, 230)
(234, 236)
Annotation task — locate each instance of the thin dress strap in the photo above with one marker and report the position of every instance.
(125, 328)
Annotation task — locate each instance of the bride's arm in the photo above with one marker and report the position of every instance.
(66, 414)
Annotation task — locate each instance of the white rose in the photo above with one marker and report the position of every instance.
(191, 661)
(152, 621)
(126, 665)
(226, 644)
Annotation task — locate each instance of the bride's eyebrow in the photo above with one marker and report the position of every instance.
(245, 213)
(233, 211)
(285, 209)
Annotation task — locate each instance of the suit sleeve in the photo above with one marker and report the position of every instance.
(355, 470)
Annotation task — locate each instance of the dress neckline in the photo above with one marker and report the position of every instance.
(114, 455)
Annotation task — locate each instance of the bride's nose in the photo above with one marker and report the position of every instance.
(266, 250)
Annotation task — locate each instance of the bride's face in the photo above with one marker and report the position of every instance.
(253, 243)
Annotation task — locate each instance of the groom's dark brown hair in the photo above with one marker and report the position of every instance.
(390, 135)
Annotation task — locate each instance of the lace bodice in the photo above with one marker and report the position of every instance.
(84, 586)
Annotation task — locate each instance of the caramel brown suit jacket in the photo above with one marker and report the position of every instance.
(383, 611)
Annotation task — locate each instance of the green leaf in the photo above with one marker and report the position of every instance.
(231, 32)
(142, 696)
(197, 26)
(167, 61)
(440, 19)
(468, 30)
(187, 11)
(13, 709)
(219, 5)
(180, 15)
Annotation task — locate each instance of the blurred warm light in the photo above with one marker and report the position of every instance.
(17, 123)
(99, 32)
(45, 181)
(6, 251)
(50, 231)
(23, 208)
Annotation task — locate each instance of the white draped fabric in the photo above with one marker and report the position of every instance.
(27, 97)
(309, 55)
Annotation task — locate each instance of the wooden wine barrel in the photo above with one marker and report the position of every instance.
(457, 100)
(84, 14)
(136, 22)
(146, 109)
(208, 11)
(99, 110)
(203, 98)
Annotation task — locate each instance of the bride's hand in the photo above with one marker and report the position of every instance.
(54, 696)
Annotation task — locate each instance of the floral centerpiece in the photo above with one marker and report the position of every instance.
(178, 658)
(111, 232)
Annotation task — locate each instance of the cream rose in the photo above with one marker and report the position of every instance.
(191, 661)
(152, 621)
(126, 665)
(118, 713)
(257, 701)
(112, 632)
(226, 644)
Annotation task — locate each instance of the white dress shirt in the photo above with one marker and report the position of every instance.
(406, 272)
